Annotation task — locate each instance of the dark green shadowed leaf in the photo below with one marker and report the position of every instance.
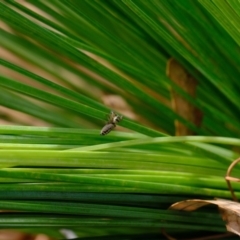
(70, 63)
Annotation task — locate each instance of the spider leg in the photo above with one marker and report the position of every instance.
(110, 116)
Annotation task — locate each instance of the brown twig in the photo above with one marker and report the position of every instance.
(228, 179)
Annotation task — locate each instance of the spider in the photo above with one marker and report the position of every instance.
(113, 119)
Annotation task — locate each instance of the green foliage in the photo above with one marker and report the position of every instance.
(62, 58)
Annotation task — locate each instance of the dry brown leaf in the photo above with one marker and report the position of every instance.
(180, 105)
(229, 210)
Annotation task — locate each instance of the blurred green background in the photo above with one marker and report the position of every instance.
(65, 65)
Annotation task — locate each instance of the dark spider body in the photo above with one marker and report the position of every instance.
(113, 119)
